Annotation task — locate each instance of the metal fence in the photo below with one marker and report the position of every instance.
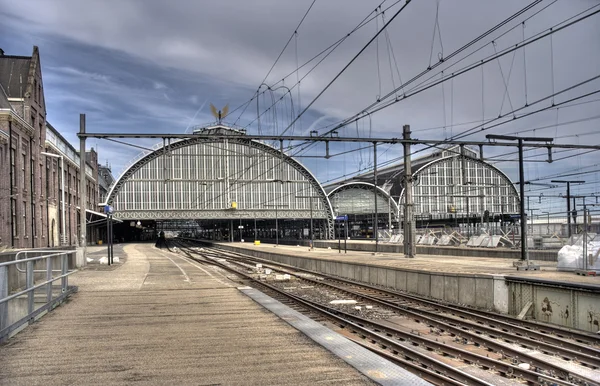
(30, 287)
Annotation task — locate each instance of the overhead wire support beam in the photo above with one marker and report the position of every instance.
(265, 138)
(524, 253)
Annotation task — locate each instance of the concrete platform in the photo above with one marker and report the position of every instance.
(156, 319)
(489, 283)
(479, 265)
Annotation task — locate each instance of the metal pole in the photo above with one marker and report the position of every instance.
(524, 255)
(409, 234)
(481, 201)
(346, 238)
(569, 209)
(575, 215)
(276, 227)
(468, 215)
(112, 241)
(311, 224)
(569, 230)
(585, 238)
(390, 216)
(376, 220)
(255, 238)
(108, 237)
(339, 239)
(82, 189)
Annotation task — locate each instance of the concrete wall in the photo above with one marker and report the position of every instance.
(568, 305)
(501, 253)
(480, 291)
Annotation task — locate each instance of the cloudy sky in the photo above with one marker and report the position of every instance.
(155, 66)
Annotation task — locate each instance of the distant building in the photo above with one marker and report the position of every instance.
(30, 181)
(57, 144)
(105, 180)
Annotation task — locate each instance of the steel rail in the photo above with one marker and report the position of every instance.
(577, 350)
(457, 331)
(586, 339)
(449, 324)
(412, 359)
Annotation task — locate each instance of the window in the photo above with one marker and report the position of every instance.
(15, 227)
(25, 218)
(42, 219)
(32, 170)
(24, 174)
(41, 175)
(13, 167)
(33, 220)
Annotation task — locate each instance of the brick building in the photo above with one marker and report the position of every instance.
(30, 181)
(56, 144)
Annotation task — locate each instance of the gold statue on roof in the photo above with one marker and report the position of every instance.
(219, 114)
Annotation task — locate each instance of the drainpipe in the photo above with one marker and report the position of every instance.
(47, 207)
(33, 219)
(11, 161)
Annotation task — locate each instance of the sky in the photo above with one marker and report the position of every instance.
(151, 66)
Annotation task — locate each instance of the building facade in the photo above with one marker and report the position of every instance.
(22, 174)
(59, 149)
(31, 213)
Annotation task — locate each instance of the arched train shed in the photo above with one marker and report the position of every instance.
(357, 200)
(230, 177)
(451, 186)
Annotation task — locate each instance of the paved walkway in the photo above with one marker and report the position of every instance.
(157, 319)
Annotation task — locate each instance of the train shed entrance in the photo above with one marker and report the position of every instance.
(220, 184)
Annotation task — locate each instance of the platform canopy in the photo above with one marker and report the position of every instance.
(225, 178)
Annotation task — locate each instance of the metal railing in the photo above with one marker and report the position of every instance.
(20, 282)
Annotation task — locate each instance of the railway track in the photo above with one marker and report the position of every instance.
(442, 343)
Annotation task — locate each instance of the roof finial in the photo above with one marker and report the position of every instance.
(219, 114)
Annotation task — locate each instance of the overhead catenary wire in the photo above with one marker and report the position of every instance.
(423, 86)
(329, 49)
(347, 65)
(282, 51)
(446, 59)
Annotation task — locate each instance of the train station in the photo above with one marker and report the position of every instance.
(407, 207)
(239, 225)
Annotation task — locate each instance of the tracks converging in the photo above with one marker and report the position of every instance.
(444, 344)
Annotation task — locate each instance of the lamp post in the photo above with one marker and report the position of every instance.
(568, 200)
(524, 255)
(62, 188)
(276, 221)
(311, 217)
(547, 223)
(276, 214)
